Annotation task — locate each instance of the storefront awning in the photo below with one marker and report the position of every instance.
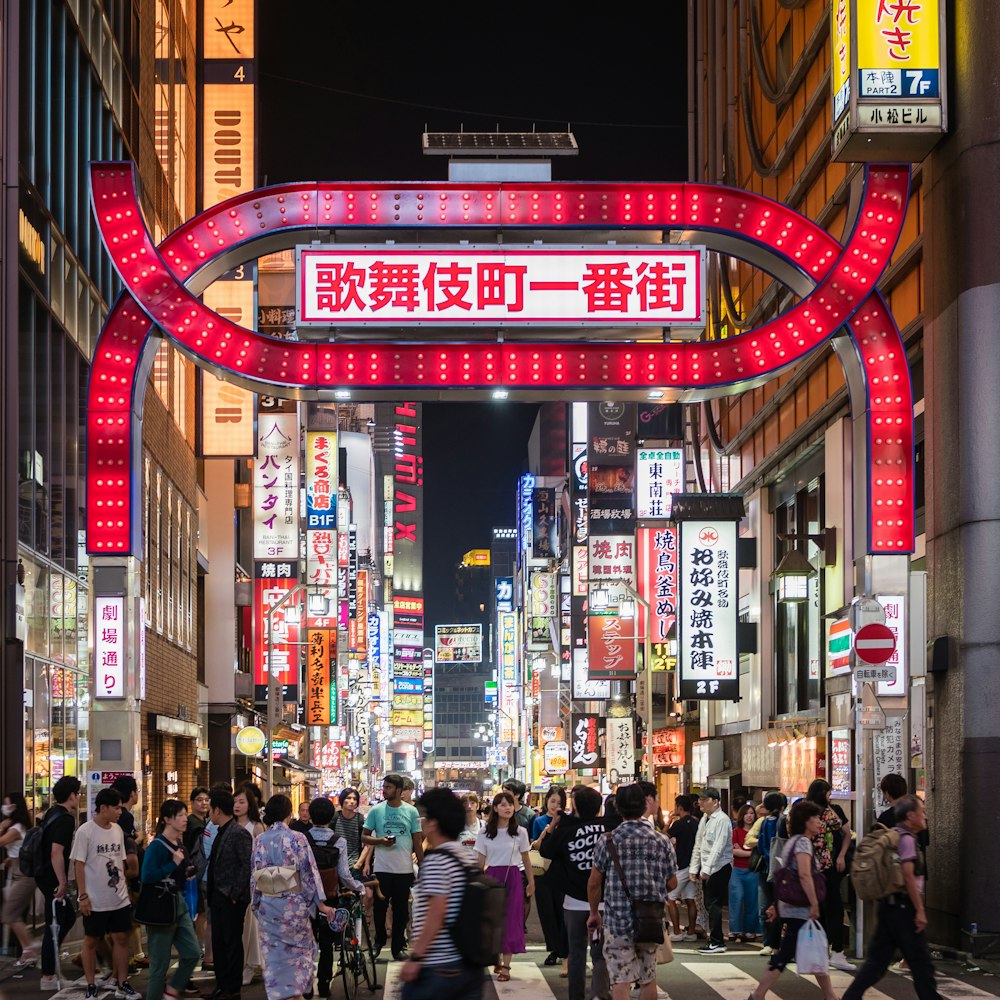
(297, 765)
(173, 726)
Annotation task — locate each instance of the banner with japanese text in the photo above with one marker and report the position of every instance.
(274, 636)
(586, 741)
(621, 750)
(657, 564)
(276, 487)
(619, 286)
(610, 468)
(321, 694)
(610, 645)
(708, 657)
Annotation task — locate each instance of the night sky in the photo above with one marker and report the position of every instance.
(346, 92)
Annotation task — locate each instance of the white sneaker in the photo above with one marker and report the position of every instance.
(678, 937)
(838, 960)
(124, 991)
(766, 950)
(48, 983)
(662, 994)
(690, 937)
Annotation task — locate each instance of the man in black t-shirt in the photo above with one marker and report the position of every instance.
(568, 842)
(59, 826)
(683, 832)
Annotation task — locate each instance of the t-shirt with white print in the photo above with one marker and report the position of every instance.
(103, 855)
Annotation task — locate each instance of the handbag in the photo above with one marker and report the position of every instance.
(758, 863)
(157, 904)
(788, 888)
(647, 914)
(539, 865)
(665, 951)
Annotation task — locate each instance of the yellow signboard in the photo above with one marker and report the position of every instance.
(228, 135)
(406, 717)
(229, 29)
(898, 34)
(250, 741)
(476, 557)
(840, 62)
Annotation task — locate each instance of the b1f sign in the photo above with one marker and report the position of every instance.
(501, 286)
(708, 655)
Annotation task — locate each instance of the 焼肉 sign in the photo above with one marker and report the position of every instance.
(595, 286)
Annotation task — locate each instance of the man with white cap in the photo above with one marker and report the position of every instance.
(712, 864)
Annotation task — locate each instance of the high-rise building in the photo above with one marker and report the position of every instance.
(87, 81)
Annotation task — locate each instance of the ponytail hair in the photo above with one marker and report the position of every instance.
(277, 810)
(169, 809)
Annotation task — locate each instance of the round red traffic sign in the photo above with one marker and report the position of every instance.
(874, 643)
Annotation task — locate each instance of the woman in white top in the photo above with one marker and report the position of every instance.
(502, 851)
(20, 889)
(246, 812)
(473, 824)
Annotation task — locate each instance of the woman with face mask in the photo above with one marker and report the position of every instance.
(19, 889)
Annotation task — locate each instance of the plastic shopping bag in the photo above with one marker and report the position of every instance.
(810, 950)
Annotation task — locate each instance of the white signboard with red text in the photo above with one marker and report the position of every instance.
(501, 286)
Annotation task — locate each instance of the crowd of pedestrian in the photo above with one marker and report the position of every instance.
(245, 888)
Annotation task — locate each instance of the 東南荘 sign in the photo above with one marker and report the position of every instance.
(501, 286)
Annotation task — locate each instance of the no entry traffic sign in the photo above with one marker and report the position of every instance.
(874, 643)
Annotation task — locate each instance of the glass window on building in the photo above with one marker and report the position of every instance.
(798, 624)
(55, 727)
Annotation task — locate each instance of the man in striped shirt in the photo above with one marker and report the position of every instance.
(434, 969)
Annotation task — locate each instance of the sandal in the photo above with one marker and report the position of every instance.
(504, 974)
(496, 969)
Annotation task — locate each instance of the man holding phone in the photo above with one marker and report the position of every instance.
(390, 827)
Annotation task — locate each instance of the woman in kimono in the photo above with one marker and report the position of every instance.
(284, 914)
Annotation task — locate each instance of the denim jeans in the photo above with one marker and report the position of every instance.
(575, 922)
(743, 916)
(446, 982)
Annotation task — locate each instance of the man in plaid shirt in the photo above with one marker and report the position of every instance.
(650, 873)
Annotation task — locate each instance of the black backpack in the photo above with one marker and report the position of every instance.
(477, 932)
(32, 859)
(327, 858)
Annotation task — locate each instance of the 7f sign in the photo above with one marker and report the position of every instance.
(708, 657)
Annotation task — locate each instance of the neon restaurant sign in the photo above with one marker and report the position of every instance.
(838, 285)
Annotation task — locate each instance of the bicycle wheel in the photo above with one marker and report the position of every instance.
(349, 966)
(366, 951)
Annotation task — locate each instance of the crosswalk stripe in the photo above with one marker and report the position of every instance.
(841, 980)
(527, 981)
(725, 978)
(955, 989)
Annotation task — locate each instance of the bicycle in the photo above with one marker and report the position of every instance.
(357, 953)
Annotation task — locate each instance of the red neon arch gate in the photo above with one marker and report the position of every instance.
(157, 279)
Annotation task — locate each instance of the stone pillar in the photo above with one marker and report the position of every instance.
(962, 417)
(116, 722)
